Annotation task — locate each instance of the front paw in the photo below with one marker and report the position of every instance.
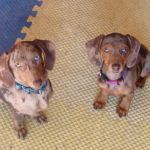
(21, 133)
(122, 111)
(39, 119)
(140, 83)
(99, 104)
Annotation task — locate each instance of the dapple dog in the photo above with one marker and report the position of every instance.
(124, 64)
(24, 82)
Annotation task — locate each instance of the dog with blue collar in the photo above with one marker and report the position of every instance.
(24, 82)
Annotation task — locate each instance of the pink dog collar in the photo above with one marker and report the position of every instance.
(106, 79)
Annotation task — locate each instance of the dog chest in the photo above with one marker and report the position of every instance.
(115, 90)
(122, 90)
(26, 103)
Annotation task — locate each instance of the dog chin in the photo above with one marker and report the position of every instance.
(116, 72)
(36, 88)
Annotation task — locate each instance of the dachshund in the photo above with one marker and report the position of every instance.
(24, 83)
(124, 65)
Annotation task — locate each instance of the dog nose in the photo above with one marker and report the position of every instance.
(115, 67)
(37, 83)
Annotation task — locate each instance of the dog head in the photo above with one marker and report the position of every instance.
(25, 65)
(115, 49)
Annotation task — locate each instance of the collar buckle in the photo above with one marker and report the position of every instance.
(120, 80)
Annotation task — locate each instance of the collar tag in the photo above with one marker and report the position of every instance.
(99, 73)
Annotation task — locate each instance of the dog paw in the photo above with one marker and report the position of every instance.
(21, 133)
(140, 83)
(39, 119)
(122, 112)
(99, 104)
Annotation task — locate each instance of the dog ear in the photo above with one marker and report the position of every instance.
(135, 47)
(93, 50)
(6, 77)
(145, 54)
(48, 49)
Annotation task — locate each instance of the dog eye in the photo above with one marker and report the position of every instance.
(106, 50)
(124, 50)
(37, 57)
(18, 65)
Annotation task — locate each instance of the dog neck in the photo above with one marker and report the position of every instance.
(30, 90)
(117, 81)
(111, 75)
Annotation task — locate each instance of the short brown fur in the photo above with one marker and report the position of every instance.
(116, 53)
(19, 65)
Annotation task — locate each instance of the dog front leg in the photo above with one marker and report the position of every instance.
(102, 100)
(19, 128)
(39, 118)
(124, 106)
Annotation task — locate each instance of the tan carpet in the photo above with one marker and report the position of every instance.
(73, 124)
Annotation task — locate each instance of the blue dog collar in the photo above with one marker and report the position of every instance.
(30, 90)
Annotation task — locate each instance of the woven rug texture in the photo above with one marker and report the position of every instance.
(73, 124)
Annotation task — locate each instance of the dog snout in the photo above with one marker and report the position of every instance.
(116, 67)
(37, 83)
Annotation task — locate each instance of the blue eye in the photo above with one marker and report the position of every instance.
(106, 50)
(37, 57)
(124, 50)
(18, 64)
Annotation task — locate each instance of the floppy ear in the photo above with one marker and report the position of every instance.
(6, 77)
(48, 49)
(145, 54)
(135, 47)
(93, 50)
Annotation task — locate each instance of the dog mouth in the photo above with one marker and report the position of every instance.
(116, 72)
(36, 88)
(116, 68)
(38, 84)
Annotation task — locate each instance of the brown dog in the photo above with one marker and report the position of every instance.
(124, 63)
(24, 82)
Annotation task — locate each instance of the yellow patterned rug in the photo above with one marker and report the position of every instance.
(73, 124)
